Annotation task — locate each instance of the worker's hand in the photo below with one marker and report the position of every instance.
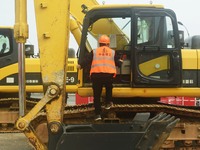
(78, 66)
(121, 60)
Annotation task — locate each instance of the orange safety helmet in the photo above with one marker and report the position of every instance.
(104, 39)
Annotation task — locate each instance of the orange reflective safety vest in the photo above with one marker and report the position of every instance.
(103, 61)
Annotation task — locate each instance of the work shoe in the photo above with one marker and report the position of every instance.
(97, 117)
(108, 105)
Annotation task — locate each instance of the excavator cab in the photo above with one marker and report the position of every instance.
(148, 43)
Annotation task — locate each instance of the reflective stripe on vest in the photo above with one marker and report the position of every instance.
(103, 61)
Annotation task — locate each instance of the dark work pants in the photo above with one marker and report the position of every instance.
(98, 82)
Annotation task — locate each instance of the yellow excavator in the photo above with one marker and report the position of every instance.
(154, 65)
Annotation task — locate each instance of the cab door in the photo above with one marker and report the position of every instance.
(156, 56)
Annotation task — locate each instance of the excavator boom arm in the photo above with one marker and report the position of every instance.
(52, 19)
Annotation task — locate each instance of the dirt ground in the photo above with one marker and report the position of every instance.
(14, 141)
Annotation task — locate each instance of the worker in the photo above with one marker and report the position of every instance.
(103, 63)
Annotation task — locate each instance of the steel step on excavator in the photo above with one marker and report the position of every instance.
(155, 65)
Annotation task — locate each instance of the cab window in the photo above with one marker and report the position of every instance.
(155, 31)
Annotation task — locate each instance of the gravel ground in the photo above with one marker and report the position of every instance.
(14, 141)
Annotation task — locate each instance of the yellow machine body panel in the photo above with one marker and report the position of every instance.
(33, 71)
(190, 59)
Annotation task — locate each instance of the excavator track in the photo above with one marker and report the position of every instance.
(174, 110)
(86, 110)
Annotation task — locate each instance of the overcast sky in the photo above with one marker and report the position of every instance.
(187, 12)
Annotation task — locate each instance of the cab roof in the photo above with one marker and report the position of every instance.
(124, 6)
